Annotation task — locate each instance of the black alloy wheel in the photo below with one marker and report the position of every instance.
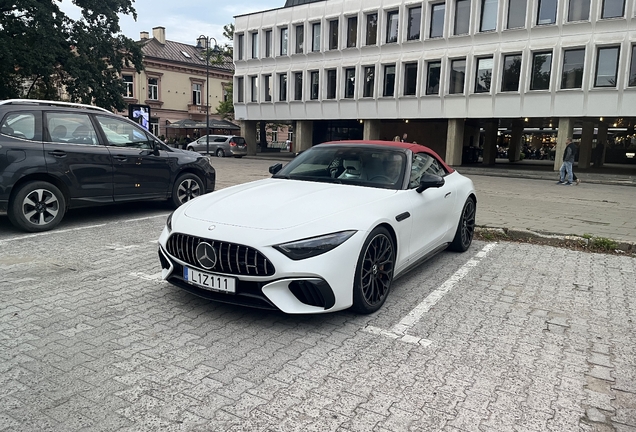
(466, 227)
(186, 188)
(37, 206)
(374, 272)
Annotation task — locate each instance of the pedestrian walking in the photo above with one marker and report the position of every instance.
(569, 155)
(404, 137)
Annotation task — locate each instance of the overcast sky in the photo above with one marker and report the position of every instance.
(184, 20)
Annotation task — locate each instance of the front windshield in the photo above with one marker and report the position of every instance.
(362, 165)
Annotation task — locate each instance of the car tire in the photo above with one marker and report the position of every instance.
(238, 157)
(187, 187)
(37, 206)
(374, 272)
(465, 228)
(190, 148)
(220, 153)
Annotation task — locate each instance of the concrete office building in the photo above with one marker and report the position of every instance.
(444, 72)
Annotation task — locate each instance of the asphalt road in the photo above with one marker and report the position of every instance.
(505, 337)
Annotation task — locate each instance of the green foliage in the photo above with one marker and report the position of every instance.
(45, 53)
(603, 243)
(226, 107)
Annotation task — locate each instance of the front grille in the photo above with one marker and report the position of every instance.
(232, 258)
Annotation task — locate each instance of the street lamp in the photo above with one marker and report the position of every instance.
(215, 50)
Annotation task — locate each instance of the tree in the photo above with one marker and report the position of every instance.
(225, 55)
(46, 54)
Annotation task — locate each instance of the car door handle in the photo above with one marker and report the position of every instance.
(402, 216)
(58, 153)
(120, 158)
(447, 195)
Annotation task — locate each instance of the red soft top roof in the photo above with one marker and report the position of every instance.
(415, 148)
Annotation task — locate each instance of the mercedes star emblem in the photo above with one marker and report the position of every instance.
(206, 255)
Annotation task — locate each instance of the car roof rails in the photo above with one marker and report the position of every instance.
(51, 103)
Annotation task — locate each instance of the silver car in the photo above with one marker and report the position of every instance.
(220, 145)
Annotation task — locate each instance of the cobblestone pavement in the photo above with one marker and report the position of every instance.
(505, 337)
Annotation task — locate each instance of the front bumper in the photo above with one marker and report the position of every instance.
(315, 285)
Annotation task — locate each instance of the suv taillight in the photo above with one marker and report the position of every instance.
(232, 144)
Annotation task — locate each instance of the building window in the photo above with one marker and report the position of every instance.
(579, 10)
(437, 19)
(315, 80)
(517, 13)
(433, 76)
(240, 42)
(240, 85)
(369, 81)
(254, 93)
(284, 41)
(282, 87)
(457, 76)
(372, 29)
(541, 68)
(547, 12)
(300, 38)
(352, 32)
(389, 80)
(607, 67)
(462, 17)
(154, 126)
(267, 85)
(613, 9)
(298, 86)
(196, 94)
(489, 9)
(254, 45)
(410, 79)
(268, 43)
(128, 86)
(331, 84)
(392, 26)
(632, 68)
(415, 23)
(153, 88)
(572, 76)
(350, 83)
(511, 73)
(333, 35)
(315, 37)
(483, 78)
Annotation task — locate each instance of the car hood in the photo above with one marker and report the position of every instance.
(274, 204)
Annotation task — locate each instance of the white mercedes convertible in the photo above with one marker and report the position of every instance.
(330, 230)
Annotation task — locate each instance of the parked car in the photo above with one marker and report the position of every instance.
(55, 156)
(329, 231)
(220, 145)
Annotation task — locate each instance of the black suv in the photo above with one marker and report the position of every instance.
(55, 156)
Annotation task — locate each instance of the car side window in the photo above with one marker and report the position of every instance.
(120, 133)
(424, 164)
(19, 125)
(70, 128)
(220, 139)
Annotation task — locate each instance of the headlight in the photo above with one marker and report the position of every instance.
(311, 247)
(169, 222)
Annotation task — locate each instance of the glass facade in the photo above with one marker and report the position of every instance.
(606, 67)
(437, 20)
(547, 12)
(573, 63)
(410, 79)
(541, 69)
(457, 76)
(578, 10)
(352, 32)
(517, 13)
(613, 9)
(369, 81)
(489, 9)
(483, 77)
(315, 85)
(315, 37)
(511, 73)
(462, 17)
(415, 23)
(350, 83)
(392, 26)
(389, 80)
(372, 29)
(433, 76)
(331, 84)
(333, 35)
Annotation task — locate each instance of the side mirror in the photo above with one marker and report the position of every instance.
(428, 181)
(275, 168)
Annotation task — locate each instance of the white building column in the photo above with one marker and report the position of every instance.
(585, 148)
(455, 142)
(371, 130)
(304, 135)
(514, 148)
(490, 142)
(248, 131)
(566, 127)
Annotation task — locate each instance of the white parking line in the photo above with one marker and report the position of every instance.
(399, 330)
(147, 218)
(50, 233)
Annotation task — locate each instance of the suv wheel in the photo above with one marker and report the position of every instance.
(37, 206)
(220, 153)
(187, 187)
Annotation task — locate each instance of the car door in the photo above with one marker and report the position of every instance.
(75, 155)
(432, 208)
(139, 170)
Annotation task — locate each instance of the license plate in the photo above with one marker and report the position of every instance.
(209, 281)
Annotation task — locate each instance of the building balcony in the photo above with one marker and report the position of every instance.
(196, 109)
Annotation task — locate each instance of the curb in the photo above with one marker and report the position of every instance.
(597, 179)
(592, 244)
